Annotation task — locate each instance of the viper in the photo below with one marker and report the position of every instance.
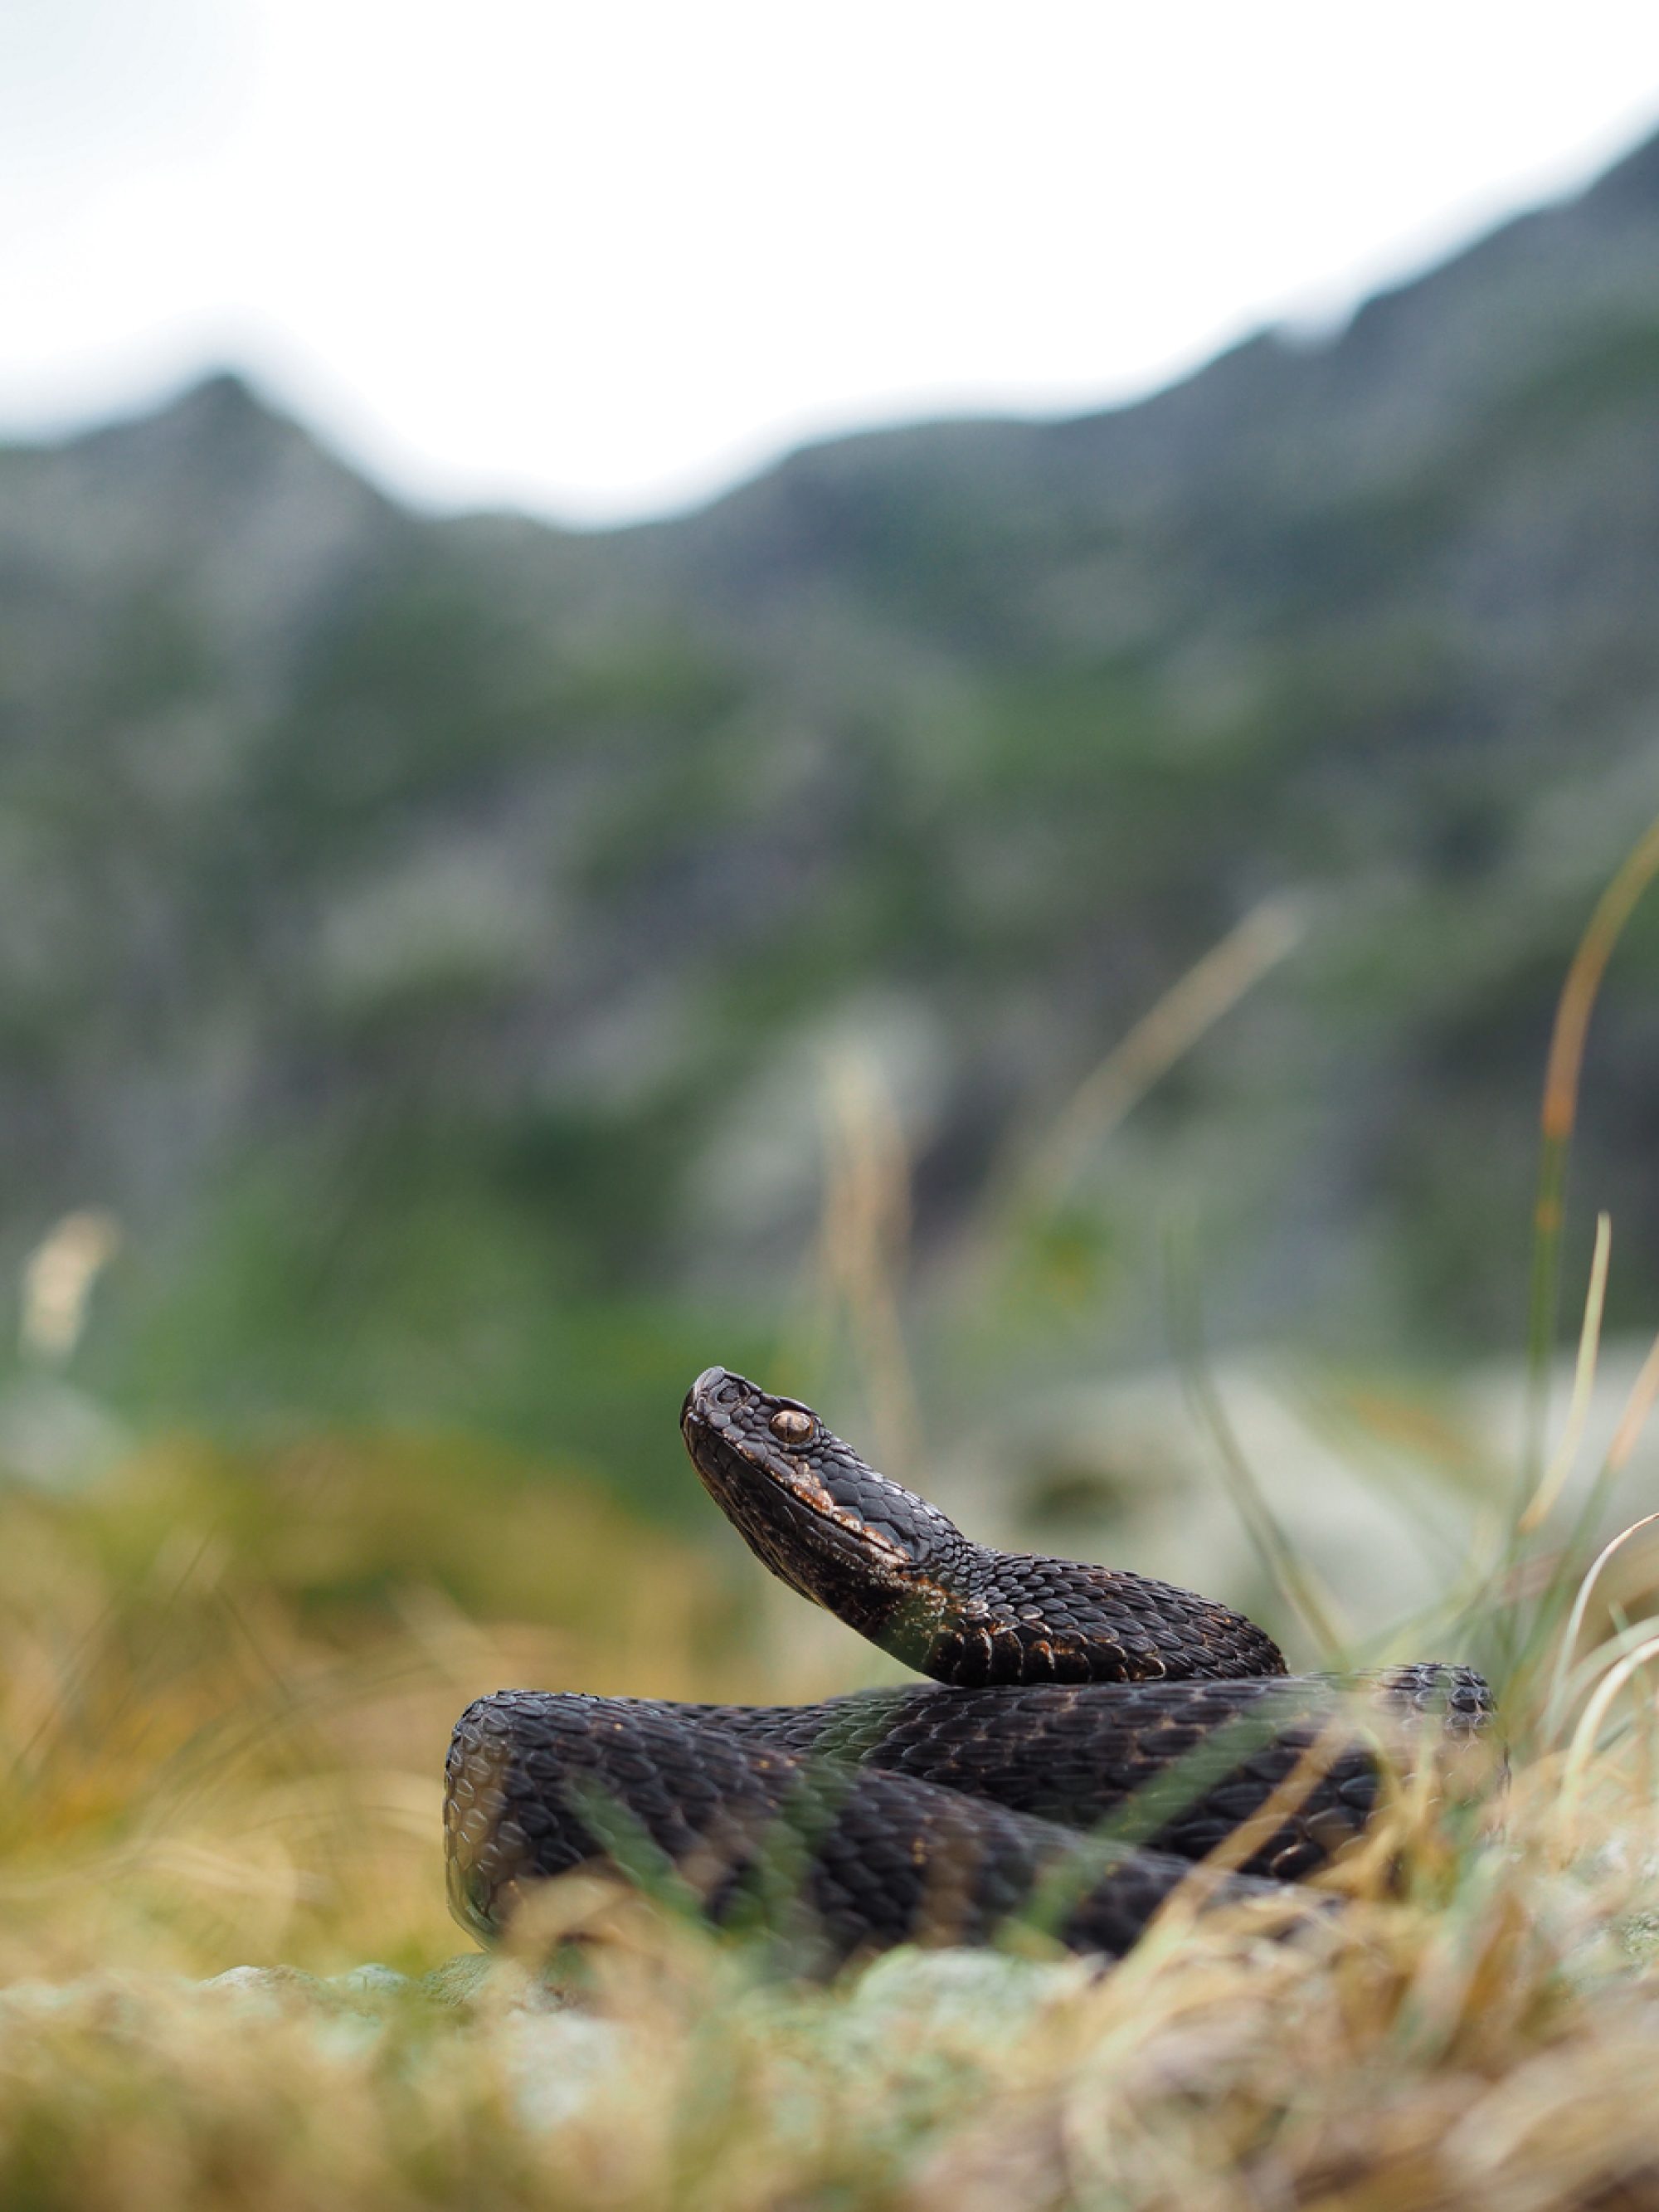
(1086, 1737)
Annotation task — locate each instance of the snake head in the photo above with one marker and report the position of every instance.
(811, 1509)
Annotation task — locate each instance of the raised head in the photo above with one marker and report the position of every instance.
(879, 1557)
(902, 1573)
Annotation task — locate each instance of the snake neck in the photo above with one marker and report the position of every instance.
(1016, 1617)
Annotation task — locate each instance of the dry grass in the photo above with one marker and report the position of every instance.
(225, 1691)
(226, 1687)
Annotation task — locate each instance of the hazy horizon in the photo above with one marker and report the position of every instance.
(623, 274)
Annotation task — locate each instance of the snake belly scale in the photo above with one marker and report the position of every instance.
(1064, 1699)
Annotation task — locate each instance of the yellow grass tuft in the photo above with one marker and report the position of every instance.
(224, 1718)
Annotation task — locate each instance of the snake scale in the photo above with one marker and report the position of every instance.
(1087, 1735)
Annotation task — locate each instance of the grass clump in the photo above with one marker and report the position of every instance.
(223, 1722)
(1485, 2041)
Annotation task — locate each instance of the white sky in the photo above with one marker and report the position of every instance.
(598, 257)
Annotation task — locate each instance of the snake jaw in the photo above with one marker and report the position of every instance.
(803, 1482)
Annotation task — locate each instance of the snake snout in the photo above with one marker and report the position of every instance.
(714, 1390)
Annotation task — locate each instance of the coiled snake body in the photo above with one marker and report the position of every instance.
(1089, 1734)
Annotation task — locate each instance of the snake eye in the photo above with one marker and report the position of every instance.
(790, 1425)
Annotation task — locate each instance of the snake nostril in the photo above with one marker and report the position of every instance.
(715, 1385)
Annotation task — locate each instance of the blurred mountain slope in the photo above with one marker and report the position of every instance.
(416, 929)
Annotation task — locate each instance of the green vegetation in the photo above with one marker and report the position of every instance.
(429, 937)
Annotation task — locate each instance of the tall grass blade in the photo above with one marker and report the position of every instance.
(1586, 1735)
(1574, 1628)
(864, 1234)
(1558, 1117)
(1543, 1499)
(1187, 1011)
(1273, 1547)
(1637, 1406)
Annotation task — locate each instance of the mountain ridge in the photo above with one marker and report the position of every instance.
(485, 890)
